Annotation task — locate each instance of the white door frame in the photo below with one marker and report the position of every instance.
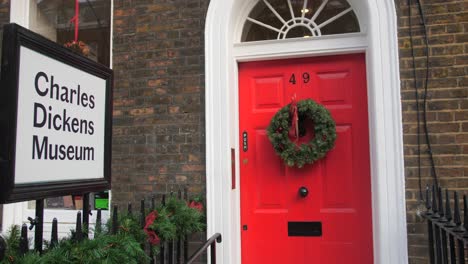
(378, 40)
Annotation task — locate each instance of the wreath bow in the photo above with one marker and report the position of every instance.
(294, 130)
(153, 238)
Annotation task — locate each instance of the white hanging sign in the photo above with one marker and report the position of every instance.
(56, 111)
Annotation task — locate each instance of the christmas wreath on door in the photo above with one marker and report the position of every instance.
(289, 121)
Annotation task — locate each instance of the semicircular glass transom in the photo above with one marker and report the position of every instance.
(284, 19)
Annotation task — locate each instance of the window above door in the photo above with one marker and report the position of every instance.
(285, 19)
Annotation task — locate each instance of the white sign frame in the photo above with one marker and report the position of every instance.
(34, 119)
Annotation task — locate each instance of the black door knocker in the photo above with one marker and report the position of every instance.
(303, 192)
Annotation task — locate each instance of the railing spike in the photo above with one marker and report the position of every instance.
(85, 215)
(465, 215)
(24, 242)
(153, 204)
(115, 220)
(435, 214)
(142, 213)
(461, 251)
(54, 235)
(448, 210)
(163, 201)
(98, 227)
(78, 229)
(162, 252)
(186, 253)
(457, 218)
(428, 201)
(442, 218)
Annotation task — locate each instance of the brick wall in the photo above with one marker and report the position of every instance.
(158, 139)
(158, 135)
(4, 19)
(447, 105)
(158, 130)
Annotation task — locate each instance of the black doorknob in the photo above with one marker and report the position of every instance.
(303, 192)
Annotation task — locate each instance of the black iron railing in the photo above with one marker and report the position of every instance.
(171, 252)
(211, 242)
(447, 234)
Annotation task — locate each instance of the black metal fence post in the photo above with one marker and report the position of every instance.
(162, 248)
(443, 220)
(38, 235)
(186, 245)
(79, 228)
(98, 227)
(142, 224)
(430, 230)
(86, 212)
(465, 216)
(437, 215)
(115, 220)
(54, 235)
(142, 213)
(457, 217)
(447, 233)
(213, 252)
(449, 225)
(178, 244)
(461, 242)
(24, 241)
(3, 248)
(459, 229)
(170, 253)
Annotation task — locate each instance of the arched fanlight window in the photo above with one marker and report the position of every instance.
(282, 19)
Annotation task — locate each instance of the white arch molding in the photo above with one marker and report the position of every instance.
(378, 40)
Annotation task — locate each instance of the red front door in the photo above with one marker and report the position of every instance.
(333, 223)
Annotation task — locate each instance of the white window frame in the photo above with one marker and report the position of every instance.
(17, 213)
(305, 20)
(223, 52)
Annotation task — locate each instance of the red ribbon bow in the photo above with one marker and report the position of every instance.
(294, 130)
(153, 238)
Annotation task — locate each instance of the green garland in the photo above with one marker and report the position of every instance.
(173, 220)
(176, 219)
(119, 248)
(317, 148)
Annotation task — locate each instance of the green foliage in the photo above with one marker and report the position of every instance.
(128, 224)
(176, 219)
(316, 148)
(173, 220)
(119, 248)
(186, 220)
(163, 225)
(13, 239)
(30, 258)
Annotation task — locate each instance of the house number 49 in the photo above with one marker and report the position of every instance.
(305, 78)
